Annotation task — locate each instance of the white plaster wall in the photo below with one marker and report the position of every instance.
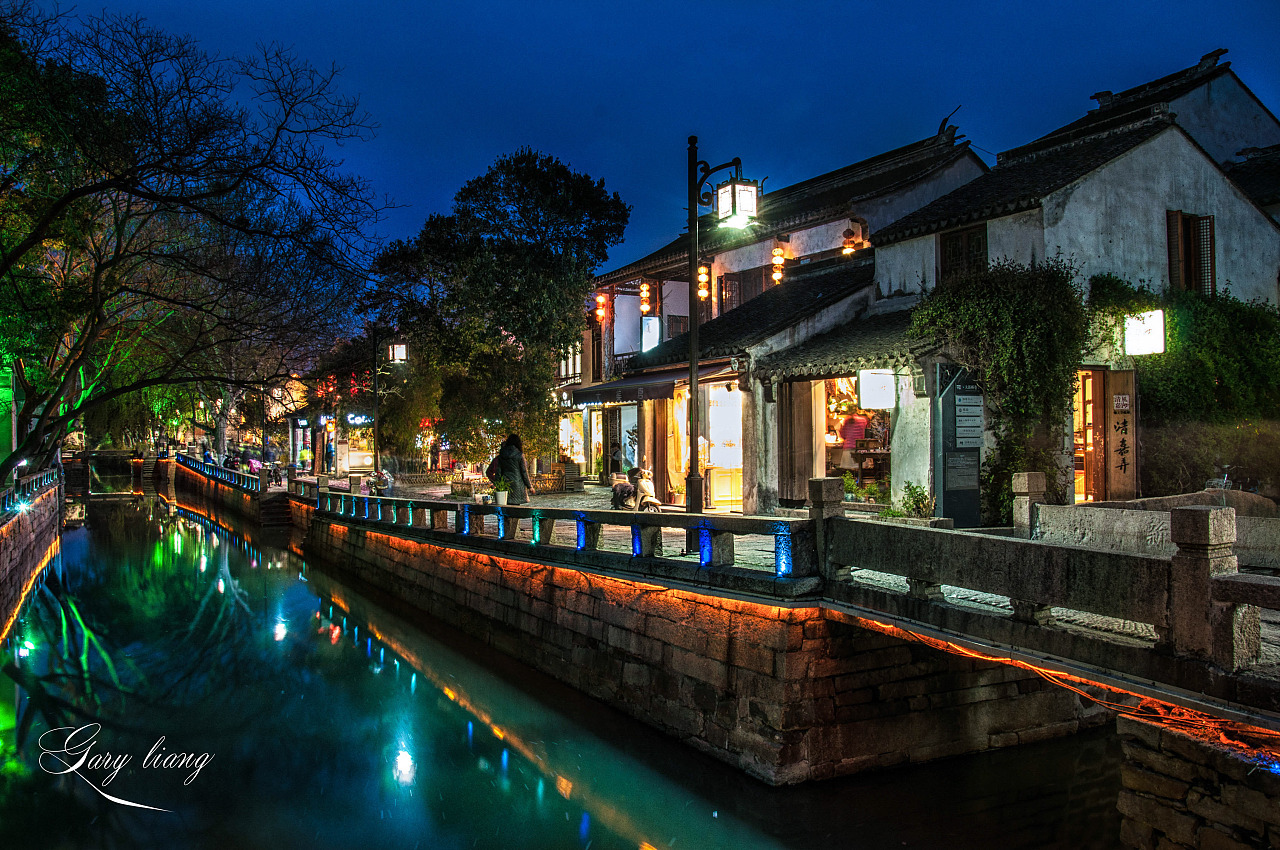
(626, 324)
(878, 212)
(1018, 237)
(1224, 119)
(909, 266)
(1113, 219)
(841, 313)
(910, 444)
(675, 301)
(883, 211)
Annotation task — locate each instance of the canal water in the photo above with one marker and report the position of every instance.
(187, 682)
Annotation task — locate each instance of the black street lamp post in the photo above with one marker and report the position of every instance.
(699, 172)
(396, 354)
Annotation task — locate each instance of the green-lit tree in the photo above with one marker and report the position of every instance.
(164, 213)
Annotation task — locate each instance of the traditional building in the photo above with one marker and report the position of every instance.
(1139, 189)
(813, 236)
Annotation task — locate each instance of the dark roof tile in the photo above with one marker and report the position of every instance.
(817, 199)
(1020, 184)
(805, 291)
(871, 342)
(1258, 175)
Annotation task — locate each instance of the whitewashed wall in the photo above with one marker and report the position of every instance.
(1113, 219)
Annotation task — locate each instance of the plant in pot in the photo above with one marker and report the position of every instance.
(677, 494)
(500, 489)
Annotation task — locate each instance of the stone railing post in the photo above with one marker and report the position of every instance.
(353, 483)
(826, 500)
(1028, 491)
(291, 475)
(1226, 633)
(263, 480)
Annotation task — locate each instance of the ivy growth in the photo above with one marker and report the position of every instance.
(1021, 331)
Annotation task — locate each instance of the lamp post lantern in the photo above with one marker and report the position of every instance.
(396, 353)
(740, 196)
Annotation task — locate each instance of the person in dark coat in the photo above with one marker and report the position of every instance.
(512, 467)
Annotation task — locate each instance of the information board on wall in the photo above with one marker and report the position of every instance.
(959, 466)
(1121, 422)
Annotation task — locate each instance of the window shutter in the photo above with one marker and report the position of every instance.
(1206, 271)
(1173, 226)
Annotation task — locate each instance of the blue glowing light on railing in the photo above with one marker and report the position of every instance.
(466, 520)
(704, 546)
(584, 827)
(635, 541)
(782, 550)
(582, 533)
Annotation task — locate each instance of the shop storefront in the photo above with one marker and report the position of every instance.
(1104, 424)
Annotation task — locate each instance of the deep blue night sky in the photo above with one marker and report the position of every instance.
(795, 89)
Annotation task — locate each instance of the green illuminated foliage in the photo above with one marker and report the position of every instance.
(1022, 332)
(153, 230)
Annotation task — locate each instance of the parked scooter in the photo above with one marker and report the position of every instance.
(637, 493)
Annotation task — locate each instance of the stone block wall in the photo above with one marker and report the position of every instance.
(25, 539)
(1183, 791)
(214, 491)
(785, 694)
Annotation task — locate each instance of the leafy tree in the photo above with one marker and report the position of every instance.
(161, 210)
(492, 294)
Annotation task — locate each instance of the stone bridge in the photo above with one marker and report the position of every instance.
(803, 648)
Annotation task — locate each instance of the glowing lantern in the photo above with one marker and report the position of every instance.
(778, 261)
(877, 389)
(737, 202)
(704, 279)
(644, 297)
(1144, 334)
(600, 307)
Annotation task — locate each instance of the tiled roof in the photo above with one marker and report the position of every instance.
(1258, 175)
(805, 291)
(817, 199)
(1020, 184)
(1139, 100)
(871, 342)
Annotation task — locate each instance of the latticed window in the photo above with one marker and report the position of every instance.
(730, 292)
(962, 252)
(1191, 253)
(677, 325)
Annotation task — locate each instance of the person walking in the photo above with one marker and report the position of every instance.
(512, 467)
(328, 457)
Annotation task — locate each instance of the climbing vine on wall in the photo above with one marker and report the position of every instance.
(1212, 400)
(1021, 331)
(1221, 360)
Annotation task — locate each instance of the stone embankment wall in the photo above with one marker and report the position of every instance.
(786, 694)
(25, 539)
(209, 489)
(1182, 791)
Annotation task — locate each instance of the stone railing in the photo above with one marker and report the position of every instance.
(712, 536)
(1194, 603)
(248, 482)
(25, 489)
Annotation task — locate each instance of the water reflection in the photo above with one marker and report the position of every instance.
(329, 716)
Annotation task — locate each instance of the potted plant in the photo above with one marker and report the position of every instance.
(501, 487)
(677, 494)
